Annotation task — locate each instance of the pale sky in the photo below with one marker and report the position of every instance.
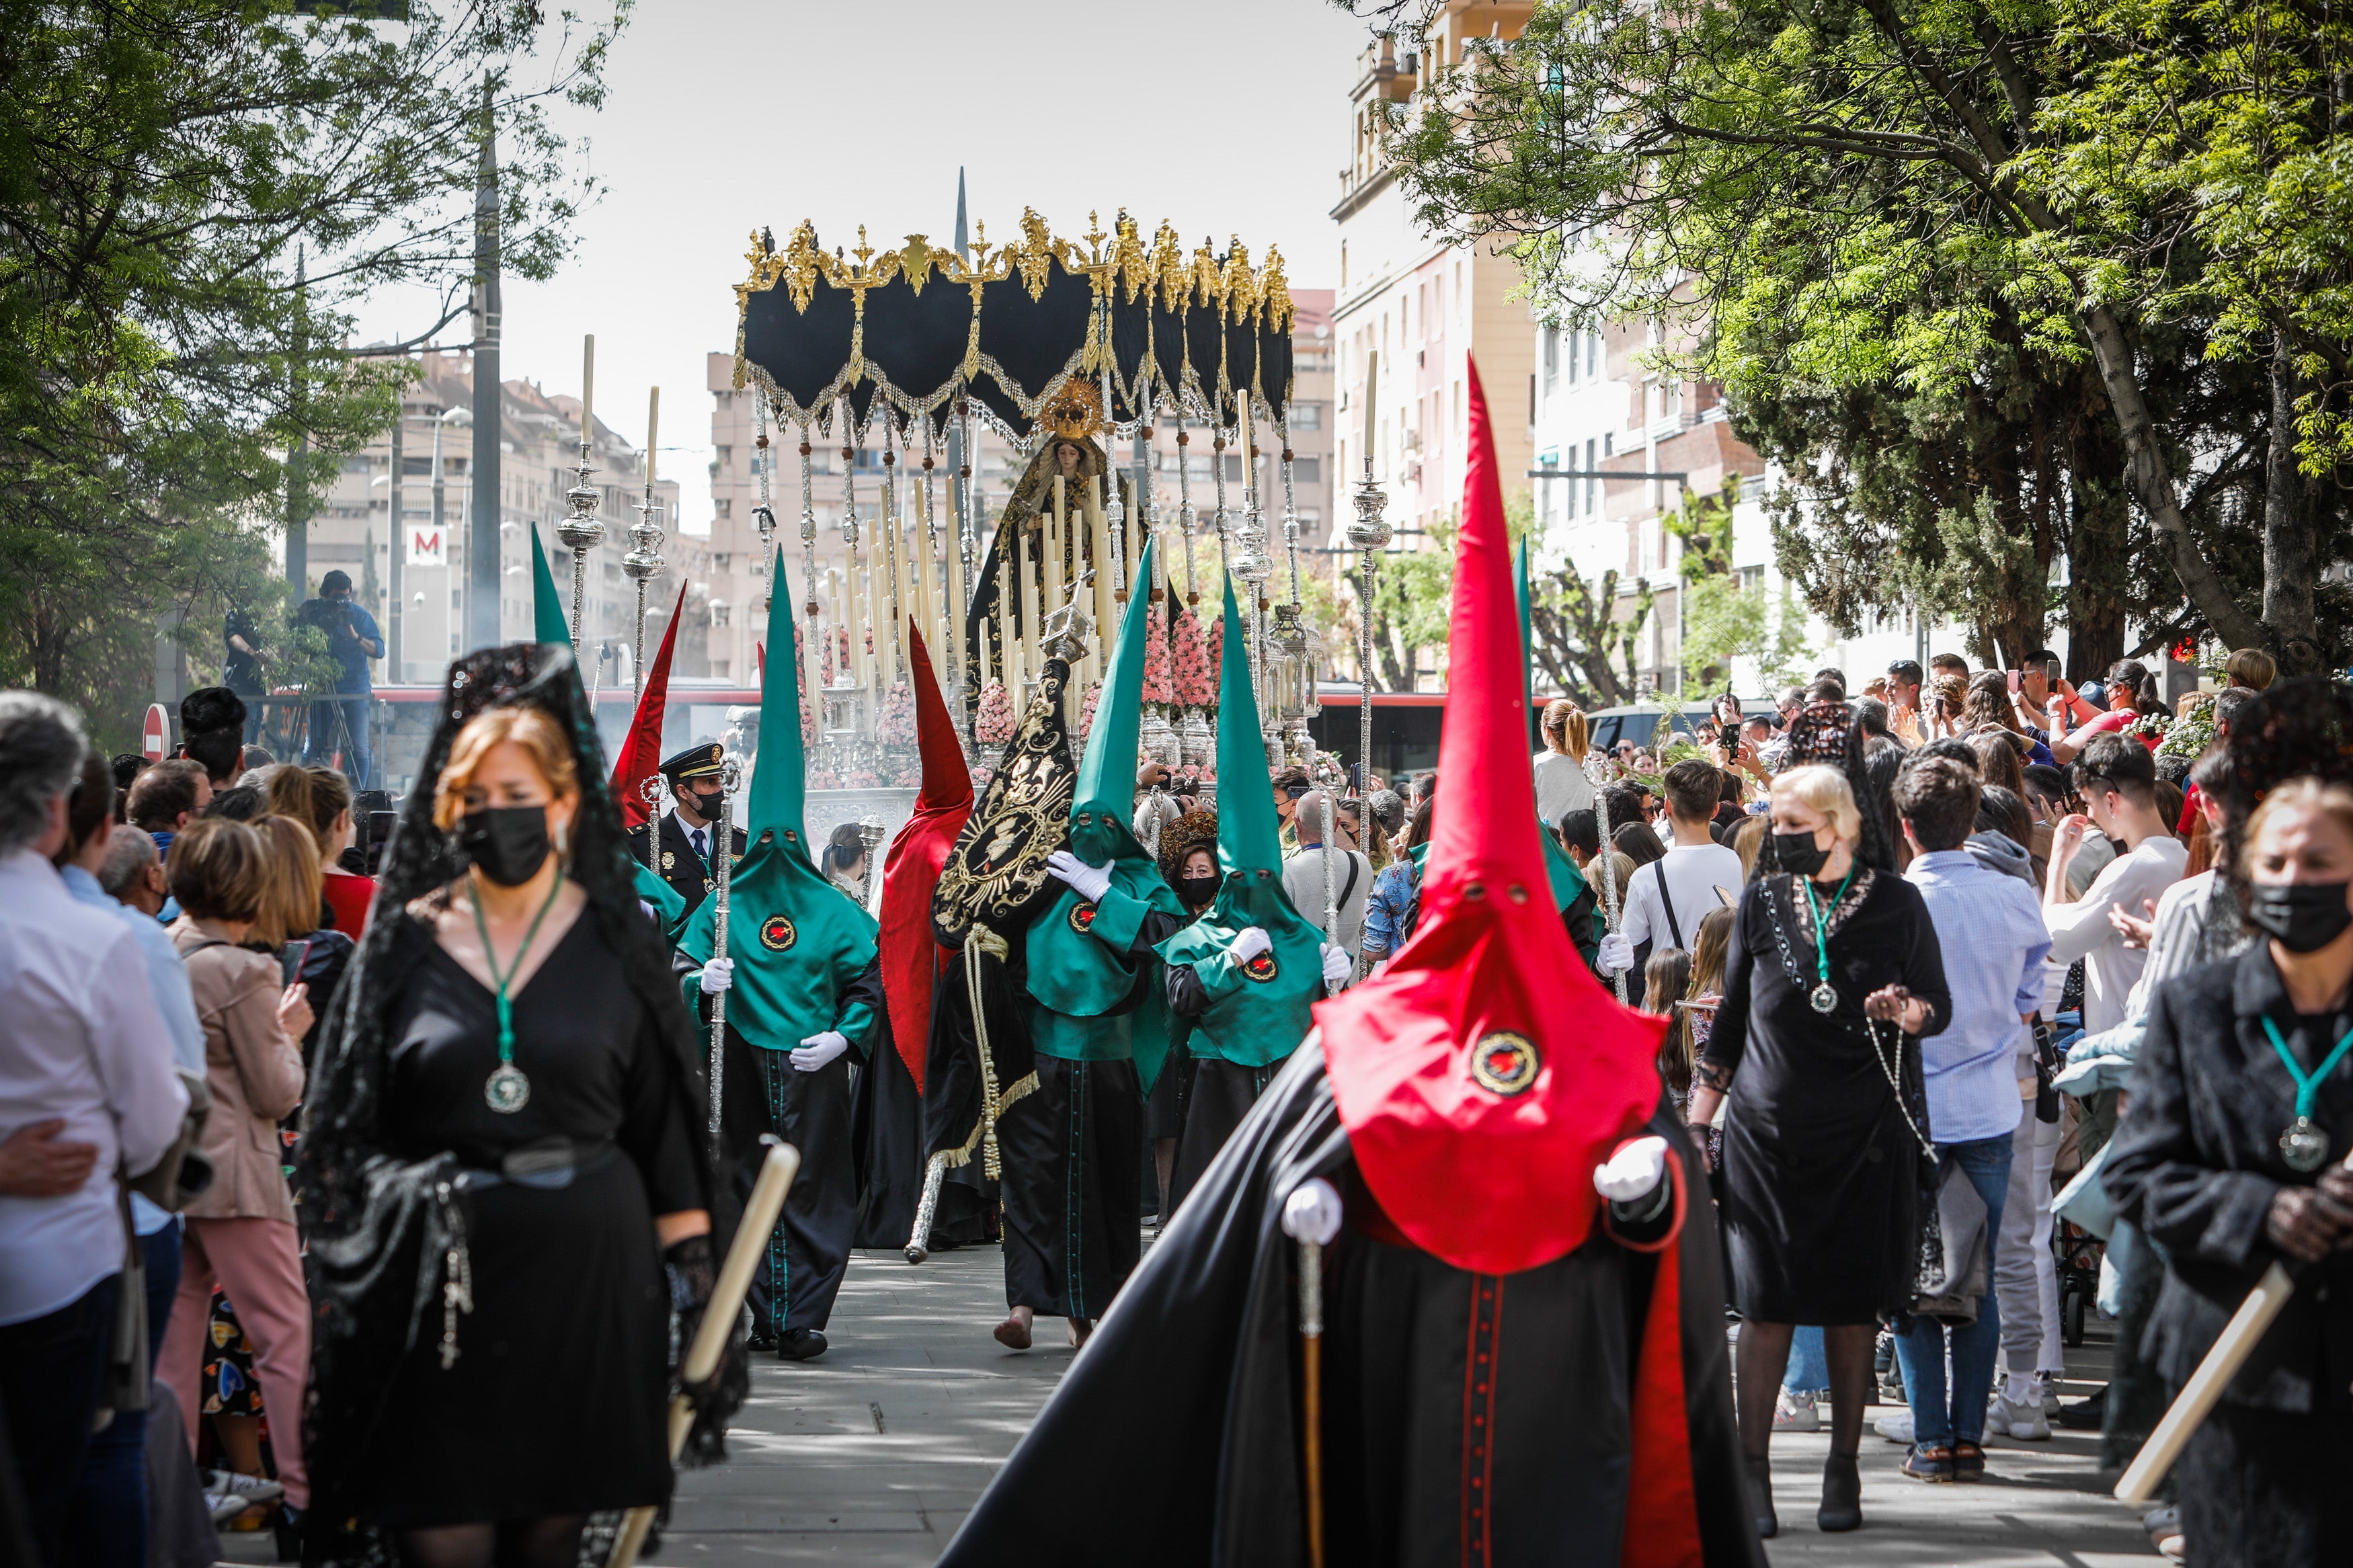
(1224, 117)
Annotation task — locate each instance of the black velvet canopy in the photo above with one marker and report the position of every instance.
(1012, 323)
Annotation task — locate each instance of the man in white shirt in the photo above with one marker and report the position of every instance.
(86, 1087)
(1666, 900)
(2117, 780)
(1352, 874)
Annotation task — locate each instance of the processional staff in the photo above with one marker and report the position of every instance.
(731, 773)
(582, 530)
(1609, 864)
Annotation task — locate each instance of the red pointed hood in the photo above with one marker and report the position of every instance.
(641, 756)
(911, 957)
(1486, 1072)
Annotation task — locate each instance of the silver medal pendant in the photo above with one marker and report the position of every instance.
(2303, 1147)
(507, 1091)
(1824, 998)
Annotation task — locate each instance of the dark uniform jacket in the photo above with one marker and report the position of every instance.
(2196, 1163)
(675, 861)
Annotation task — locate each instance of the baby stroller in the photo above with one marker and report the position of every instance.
(2078, 1252)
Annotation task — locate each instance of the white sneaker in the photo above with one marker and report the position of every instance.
(1796, 1413)
(2024, 1422)
(2046, 1391)
(252, 1489)
(1895, 1426)
(223, 1507)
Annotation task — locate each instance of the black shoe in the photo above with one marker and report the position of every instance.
(2085, 1414)
(1760, 1496)
(1841, 1495)
(762, 1339)
(800, 1344)
(288, 1529)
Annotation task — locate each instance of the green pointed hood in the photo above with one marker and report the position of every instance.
(1249, 836)
(548, 623)
(798, 941)
(779, 798)
(1105, 798)
(1257, 1012)
(1082, 961)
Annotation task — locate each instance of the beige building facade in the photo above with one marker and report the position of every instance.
(1414, 311)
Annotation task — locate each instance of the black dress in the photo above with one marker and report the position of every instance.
(555, 1403)
(1821, 1172)
(2195, 1164)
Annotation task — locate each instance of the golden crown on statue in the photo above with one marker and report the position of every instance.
(1074, 411)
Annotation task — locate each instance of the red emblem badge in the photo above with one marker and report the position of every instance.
(1082, 917)
(777, 934)
(1262, 968)
(1504, 1063)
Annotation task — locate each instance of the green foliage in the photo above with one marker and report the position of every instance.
(166, 173)
(2054, 270)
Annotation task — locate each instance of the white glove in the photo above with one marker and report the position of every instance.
(1633, 1172)
(1311, 1212)
(718, 975)
(1249, 943)
(1337, 966)
(819, 1049)
(1089, 882)
(1616, 953)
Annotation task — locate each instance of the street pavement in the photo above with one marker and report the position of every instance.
(873, 1454)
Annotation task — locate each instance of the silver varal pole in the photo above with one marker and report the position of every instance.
(1608, 864)
(731, 774)
(1369, 532)
(643, 563)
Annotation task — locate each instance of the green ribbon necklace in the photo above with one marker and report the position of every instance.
(2305, 1145)
(506, 1089)
(1825, 996)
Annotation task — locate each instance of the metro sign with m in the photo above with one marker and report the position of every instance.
(427, 547)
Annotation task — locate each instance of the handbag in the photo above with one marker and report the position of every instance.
(1952, 1276)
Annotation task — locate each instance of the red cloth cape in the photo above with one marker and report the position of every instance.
(911, 871)
(641, 756)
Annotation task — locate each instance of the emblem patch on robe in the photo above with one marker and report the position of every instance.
(1082, 917)
(1504, 1063)
(668, 860)
(777, 934)
(1262, 968)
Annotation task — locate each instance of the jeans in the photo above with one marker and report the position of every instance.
(1809, 1364)
(341, 725)
(108, 1526)
(2025, 1275)
(1920, 1342)
(52, 1372)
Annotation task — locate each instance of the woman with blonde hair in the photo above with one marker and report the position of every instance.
(1561, 782)
(1833, 974)
(509, 1104)
(240, 1231)
(2232, 1157)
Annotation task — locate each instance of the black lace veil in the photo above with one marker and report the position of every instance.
(379, 1226)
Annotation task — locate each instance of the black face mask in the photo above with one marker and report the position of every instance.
(1197, 891)
(1799, 853)
(706, 805)
(2304, 917)
(508, 844)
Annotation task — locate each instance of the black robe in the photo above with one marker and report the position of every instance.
(887, 1131)
(800, 1272)
(1175, 1437)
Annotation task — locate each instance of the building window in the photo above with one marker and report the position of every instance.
(1592, 354)
(1551, 360)
(1306, 415)
(1592, 486)
(1307, 470)
(719, 611)
(721, 561)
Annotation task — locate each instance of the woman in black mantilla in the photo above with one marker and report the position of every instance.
(511, 1195)
(1822, 1149)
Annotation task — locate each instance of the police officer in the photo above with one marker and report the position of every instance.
(678, 848)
